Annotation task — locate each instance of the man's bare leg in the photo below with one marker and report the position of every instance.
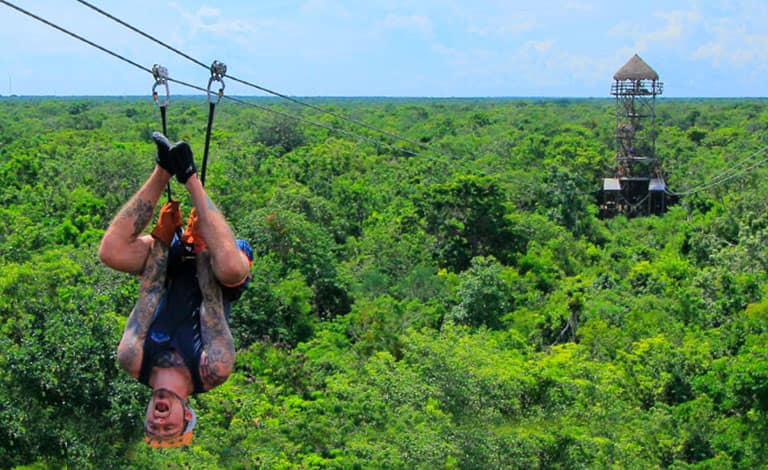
(152, 289)
(229, 264)
(218, 348)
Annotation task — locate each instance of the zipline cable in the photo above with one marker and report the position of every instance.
(255, 86)
(718, 182)
(195, 87)
(725, 175)
(290, 116)
(450, 160)
(137, 30)
(327, 127)
(74, 35)
(317, 108)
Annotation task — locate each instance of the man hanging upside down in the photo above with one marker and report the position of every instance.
(177, 340)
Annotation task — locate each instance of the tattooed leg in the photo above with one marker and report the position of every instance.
(121, 247)
(131, 348)
(218, 349)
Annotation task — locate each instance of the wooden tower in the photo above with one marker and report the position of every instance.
(637, 186)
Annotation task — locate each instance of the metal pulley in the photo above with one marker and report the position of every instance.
(161, 79)
(218, 70)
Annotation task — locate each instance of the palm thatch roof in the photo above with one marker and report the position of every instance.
(636, 69)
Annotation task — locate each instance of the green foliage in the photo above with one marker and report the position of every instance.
(58, 357)
(282, 131)
(467, 219)
(461, 307)
(485, 296)
(298, 245)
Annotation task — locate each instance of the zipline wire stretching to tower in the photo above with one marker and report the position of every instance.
(716, 180)
(258, 87)
(726, 175)
(195, 87)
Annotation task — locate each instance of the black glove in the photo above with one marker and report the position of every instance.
(183, 161)
(163, 157)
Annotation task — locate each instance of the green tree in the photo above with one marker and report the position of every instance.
(280, 130)
(467, 218)
(484, 294)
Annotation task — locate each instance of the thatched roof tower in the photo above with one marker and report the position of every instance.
(636, 69)
(637, 186)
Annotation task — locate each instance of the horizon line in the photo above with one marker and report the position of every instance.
(393, 97)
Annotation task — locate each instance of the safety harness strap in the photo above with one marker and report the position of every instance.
(218, 70)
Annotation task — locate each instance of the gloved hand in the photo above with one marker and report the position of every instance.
(167, 222)
(163, 157)
(183, 161)
(192, 234)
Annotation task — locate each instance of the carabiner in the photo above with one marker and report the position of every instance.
(218, 70)
(161, 78)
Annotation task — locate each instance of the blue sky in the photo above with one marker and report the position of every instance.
(436, 48)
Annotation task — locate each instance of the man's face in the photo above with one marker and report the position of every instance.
(165, 414)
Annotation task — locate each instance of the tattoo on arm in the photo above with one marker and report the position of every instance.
(214, 369)
(152, 288)
(209, 203)
(218, 348)
(141, 213)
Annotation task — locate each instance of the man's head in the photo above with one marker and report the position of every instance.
(169, 421)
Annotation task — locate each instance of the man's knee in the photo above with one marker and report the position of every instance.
(232, 270)
(235, 268)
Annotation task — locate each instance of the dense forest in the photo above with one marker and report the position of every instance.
(450, 299)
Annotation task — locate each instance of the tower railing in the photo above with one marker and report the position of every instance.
(637, 88)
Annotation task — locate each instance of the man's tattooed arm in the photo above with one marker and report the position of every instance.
(141, 213)
(209, 203)
(131, 348)
(218, 348)
(138, 213)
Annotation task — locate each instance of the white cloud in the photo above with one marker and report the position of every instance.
(465, 59)
(210, 20)
(539, 47)
(589, 69)
(574, 5)
(678, 25)
(208, 12)
(676, 30)
(714, 52)
(415, 23)
(330, 8)
(734, 45)
(501, 27)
